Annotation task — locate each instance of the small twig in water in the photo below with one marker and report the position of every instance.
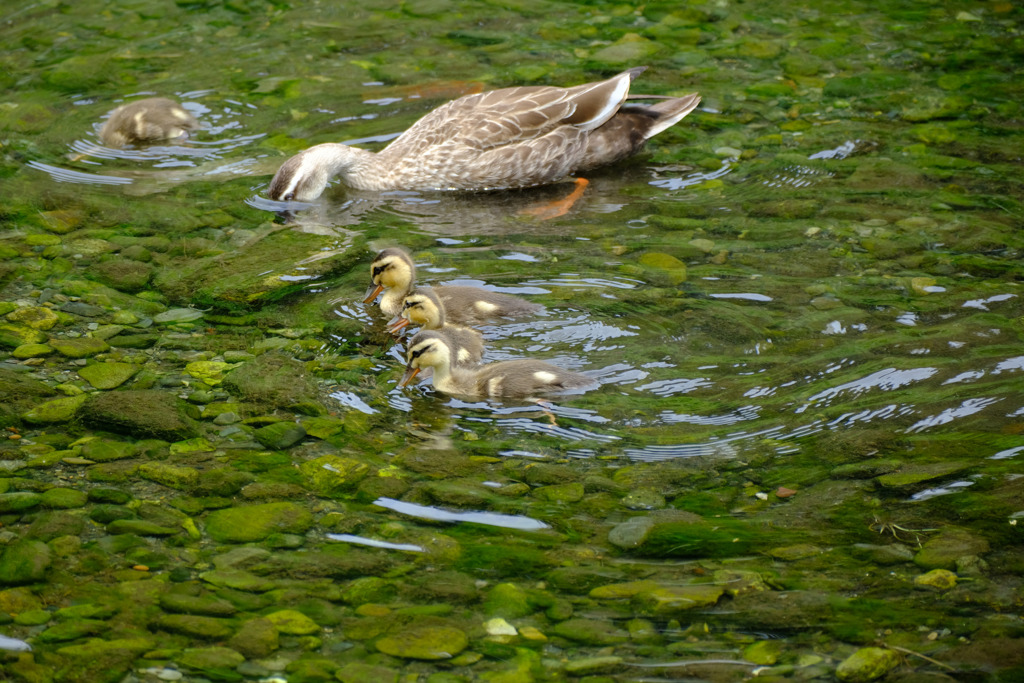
(918, 654)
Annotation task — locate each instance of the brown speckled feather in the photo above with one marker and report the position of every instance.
(513, 137)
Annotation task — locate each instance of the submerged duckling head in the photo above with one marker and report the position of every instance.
(150, 120)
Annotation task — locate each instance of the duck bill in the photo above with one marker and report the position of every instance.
(397, 323)
(409, 376)
(372, 293)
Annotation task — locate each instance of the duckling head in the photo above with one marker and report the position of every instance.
(391, 269)
(424, 308)
(426, 350)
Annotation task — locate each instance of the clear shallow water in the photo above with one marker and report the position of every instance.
(819, 268)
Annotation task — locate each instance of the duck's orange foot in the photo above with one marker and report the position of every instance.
(550, 210)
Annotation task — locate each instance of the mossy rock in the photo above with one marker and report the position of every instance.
(108, 375)
(424, 641)
(273, 380)
(249, 523)
(82, 347)
(56, 411)
(24, 562)
(140, 413)
(122, 274)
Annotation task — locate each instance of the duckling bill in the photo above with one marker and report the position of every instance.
(502, 139)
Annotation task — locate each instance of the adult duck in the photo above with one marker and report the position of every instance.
(502, 139)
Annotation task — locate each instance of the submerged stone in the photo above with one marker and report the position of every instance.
(591, 632)
(26, 351)
(424, 641)
(102, 450)
(142, 413)
(293, 622)
(280, 435)
(108, 375)
(19, 501)
(867, 664)
(172, 476)
(35, 317)
(331, 475)
(56, 411)
(82, 347)
(24, 562)
(668, 601)
(215, 662)
(248, 523)
(13, 336)
(941, 579)
(208, 628)
(943, 551)
(256, 638)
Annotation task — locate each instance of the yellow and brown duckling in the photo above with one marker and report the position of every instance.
(150, 120)
(424, 308)
(524, 378)
(394, 273)
(508, 138)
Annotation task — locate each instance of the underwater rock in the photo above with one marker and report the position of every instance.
(214, 662)
(141, 413)
(332, 475)
(123, 274)
(13, 336)
(292, 622)
(24, 562)
(103, 450)
(632, 533)
(108, 375)
(359, 672)
(590, 632)
(669, 601)
(509, 601)
(26, 351)
(206, 628)
(204, 605)
(424, 641)
(560, 493)
(256, 638)
(249, 523)
(35, 317)
(867, 664)
(280, 436)
(273, 380)
(82, 347)
(171, 476)
(56, 411)
(940, 579)
(943, 551)
(18, 501)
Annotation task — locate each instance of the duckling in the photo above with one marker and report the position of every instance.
(424, 308)
(508, 138)
(394, 273)
(149, 120)
(507, 379)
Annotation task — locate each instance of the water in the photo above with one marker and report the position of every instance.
(812, 283)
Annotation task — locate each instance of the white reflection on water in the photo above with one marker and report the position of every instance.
(968, 407)
(887, 379)
(953, 487)
(475, 516)
(739, 415)
(360, 540)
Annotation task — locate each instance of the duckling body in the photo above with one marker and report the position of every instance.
(508, 138)
(149, 120)
(424, 308)
(507, 379)
(394, 273)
